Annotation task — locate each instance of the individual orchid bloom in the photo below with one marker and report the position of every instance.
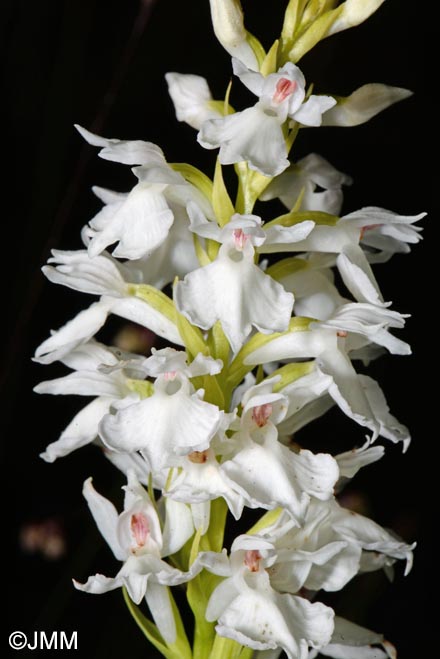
(268, 473)
(174, 257)
(350, 641)
(199, 479)
(250, 611)
(343, 239)
(314, 394)
(192, 99)
(329, 549)
(363, 104)
(360, 399)
(364, 323)
(255, 135)
(232, 289)
(174, 421)
(248, 227)
(135, 538)
(90, 378)
(139, 221)
(300, 181)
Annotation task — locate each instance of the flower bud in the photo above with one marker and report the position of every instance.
(354, 12)
(227, 20)
(363, 104)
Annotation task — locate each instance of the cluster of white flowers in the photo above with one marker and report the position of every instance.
(258, 348)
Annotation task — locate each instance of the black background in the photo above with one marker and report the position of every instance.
(101, 64)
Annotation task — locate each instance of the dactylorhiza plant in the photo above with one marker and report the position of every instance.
(258, 347)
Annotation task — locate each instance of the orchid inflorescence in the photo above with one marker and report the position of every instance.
(257, 347)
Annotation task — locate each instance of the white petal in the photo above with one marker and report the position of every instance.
(217, 563)
(363, 104)
(253, 80)
(159, 603)
(191, 97)
(358, 276)
(78, 330)
(271, 475)
(90, 356)
(99, 584)
(106, 518)
(251, 135)
(276, 235)
(178, 526)
(237, 293)
(128, 152)
(140, 312)
(82, 430)
(221, 598)
(310, 113)
(264, 621)
(139, 225)
(389, 425)
(198, 483)
(346, 389)
(99, 275)
(351, 461)
(162, 426)
(83, 383)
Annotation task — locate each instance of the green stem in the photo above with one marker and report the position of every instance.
(226, 648)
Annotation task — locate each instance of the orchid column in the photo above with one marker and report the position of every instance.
(260, 341)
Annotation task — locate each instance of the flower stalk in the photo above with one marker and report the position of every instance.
(260, 340)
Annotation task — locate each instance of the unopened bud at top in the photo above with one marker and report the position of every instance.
(354, 12)
(228, 23)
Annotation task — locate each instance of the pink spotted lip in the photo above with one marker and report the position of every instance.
(261, 414)
(284, 88)
(140, 529)
(252, 560)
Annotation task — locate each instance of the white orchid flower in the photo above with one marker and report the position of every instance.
(90, 363)
(329, 549)
(268, 473)
(192, 99)
(351, 641)
(200, 479)
(135, 538)
(255, 134)
(359, 398)
(139, 221)
(314, 394)
(343, 239)
(250, 611)
(174, 421)
(301, 180)
(232, 289)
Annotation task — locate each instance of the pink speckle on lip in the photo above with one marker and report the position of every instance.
(140, 528)
(239, 238)
(284, 89)
(252, 560)
(261, 414)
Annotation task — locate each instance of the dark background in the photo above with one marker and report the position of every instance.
(101, 64)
